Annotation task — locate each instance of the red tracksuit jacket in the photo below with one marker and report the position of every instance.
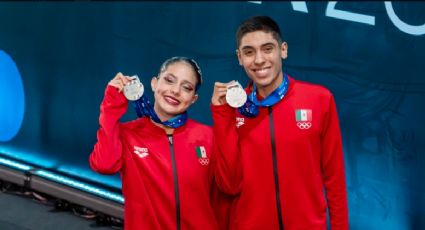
(290, 154)
(167, 181)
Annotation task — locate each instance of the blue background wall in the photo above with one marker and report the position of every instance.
(67, 52)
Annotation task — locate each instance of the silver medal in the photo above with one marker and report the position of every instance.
(236, 95)
(134, 89)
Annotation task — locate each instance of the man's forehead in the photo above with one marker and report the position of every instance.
(257, 39)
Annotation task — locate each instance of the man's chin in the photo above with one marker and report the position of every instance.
(262, 82)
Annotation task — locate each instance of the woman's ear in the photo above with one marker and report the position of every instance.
(154, 82)
(195, 98)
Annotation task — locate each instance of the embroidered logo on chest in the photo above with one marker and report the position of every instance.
(141, 152)
(202, 155)
(304, 118)
(240, 121)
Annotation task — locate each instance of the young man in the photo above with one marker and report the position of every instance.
(288, 139)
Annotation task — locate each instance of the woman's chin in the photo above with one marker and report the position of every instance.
(168, 113)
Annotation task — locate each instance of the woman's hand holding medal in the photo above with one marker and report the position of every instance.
(131, 86)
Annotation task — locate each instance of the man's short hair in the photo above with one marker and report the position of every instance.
(258, 23)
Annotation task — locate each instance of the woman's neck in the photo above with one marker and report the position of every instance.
(161, 115)
(168, 130)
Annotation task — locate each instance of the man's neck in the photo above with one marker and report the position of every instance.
(268, 89)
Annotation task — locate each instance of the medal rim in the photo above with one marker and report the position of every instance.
(233, 98)
(134, 96)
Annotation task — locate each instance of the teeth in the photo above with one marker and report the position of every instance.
(262, 69)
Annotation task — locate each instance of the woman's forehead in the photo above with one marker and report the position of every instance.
(181, 70)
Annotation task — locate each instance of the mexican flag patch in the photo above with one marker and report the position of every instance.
(303, 115)
(202, 155)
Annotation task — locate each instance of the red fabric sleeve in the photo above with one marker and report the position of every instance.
(228, 170)
(107, 152)
(333, 171)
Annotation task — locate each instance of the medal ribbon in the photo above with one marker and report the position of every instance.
(250, 108)
(144, 108)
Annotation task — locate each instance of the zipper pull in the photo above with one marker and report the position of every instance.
(170, 139)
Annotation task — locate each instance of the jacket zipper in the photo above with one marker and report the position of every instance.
(176, 184)
(275, 172)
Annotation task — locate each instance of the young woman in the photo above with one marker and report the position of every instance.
(167, 164)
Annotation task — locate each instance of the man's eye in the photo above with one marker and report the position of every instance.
(248, 53)
(269, 49)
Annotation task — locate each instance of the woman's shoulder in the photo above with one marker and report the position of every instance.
(198, 126)
(136, 123)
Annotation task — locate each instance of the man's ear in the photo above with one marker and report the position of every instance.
(284, 50)
(238, 54)
(154, 82)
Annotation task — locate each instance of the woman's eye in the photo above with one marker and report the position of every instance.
(188, 88)
(168, 80)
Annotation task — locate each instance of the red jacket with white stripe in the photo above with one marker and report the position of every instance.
(167, 181)
(290, 154)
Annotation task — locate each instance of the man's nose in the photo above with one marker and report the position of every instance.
(259, 58)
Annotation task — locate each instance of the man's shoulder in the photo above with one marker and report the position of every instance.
(310, 88)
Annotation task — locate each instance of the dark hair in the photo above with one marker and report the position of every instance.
(189, 61)
(258, 23)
